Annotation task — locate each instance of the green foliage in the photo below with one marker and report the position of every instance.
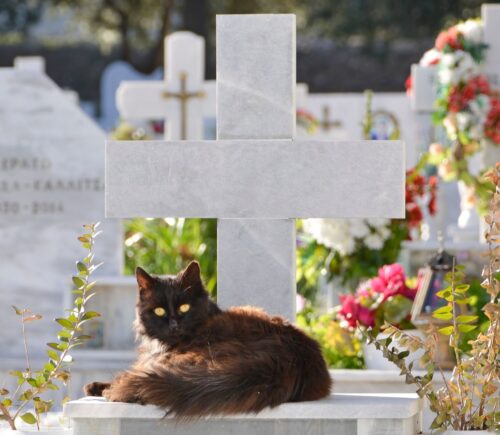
(33, 383)
(165, 246)
(469, 399)
(341, 349)
(314, 259)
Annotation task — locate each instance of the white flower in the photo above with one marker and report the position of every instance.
(384, 233)
(455, 67)
(378, 222)
(374, 241)
(333, 233)
(430, 57)
(464, 119)
(359, 229)
(472, 30)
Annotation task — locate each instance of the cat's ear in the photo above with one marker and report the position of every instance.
(191, 275)
(145, 281)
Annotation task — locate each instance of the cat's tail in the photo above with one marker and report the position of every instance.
(190, 392)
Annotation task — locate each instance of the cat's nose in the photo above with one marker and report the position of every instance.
(173, 324)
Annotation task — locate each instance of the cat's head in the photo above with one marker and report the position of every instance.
(171, 308)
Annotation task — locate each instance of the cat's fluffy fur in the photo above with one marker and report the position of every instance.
(208, 361)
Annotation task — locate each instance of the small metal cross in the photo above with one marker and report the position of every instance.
(183, 96)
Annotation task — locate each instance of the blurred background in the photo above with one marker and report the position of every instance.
(343, 45)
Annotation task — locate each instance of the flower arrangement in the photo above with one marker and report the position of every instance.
(469, 399)
(307, 121)
(420, 192)
(388, 297)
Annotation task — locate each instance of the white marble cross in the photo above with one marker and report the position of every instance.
(255, 178)
(183, 99)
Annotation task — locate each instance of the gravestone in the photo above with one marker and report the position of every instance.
(51, 183)
(30, 63)
(341, 116)
(183, 99)
(255, 177)
(114, 74)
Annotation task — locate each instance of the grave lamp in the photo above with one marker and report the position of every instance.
(432, 281)
(426, 301)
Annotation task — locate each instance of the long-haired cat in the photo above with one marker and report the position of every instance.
(195, 359)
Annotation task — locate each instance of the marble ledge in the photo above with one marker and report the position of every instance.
(336, 407)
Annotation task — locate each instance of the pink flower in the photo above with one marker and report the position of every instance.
(391, 271)
(349, 309)
(378, 285)
(366, 317)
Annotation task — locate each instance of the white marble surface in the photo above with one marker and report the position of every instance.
(113, 75)
(424, 88)
(491, 20)
(184, 54)
(361, 414)
(51, 183)
(256, 264)
(30, 63)
(256, 76)
(255, 179)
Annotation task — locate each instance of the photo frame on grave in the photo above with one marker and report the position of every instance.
(385, 126)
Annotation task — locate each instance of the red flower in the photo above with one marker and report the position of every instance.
(449, 38)
(492, 124)
(409, 84)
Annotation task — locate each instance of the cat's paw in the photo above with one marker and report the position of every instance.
(96, 388)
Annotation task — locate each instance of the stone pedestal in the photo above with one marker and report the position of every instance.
(361, 414)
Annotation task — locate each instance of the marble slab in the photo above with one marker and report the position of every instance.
(51, 183)
(255, 179)
(256, 76)
(256, 264)
(491, 20)
(360, 414)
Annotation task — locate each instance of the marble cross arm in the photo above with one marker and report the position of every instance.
(262, 179)
(146, 100)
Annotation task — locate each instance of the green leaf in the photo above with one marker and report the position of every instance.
(462, 288)
(443, 316)
(49, 366)
(53, 355)
(447, 330)
(32, 382)
(404, 354)
(444, 294)
(79, 282)
(82, 268)
(6, 402)
(53, 345)
(29, 418)
(65, 323)
(466, 319)
(90, 315)
(443, 310)
(64, 333)
(466, 328)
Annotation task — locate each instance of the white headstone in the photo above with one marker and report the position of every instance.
(341, 117)
(183, 99)
(255, 178)
(51, 183)
(30, 63)
(491, 21)
(114, 74)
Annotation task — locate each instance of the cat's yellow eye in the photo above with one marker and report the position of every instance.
(184, 308)
(160, 312)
